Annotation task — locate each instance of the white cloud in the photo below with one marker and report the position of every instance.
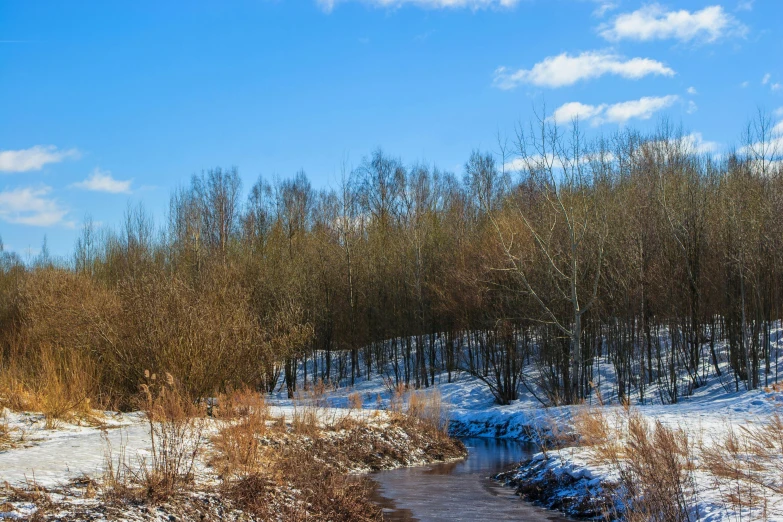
(604, 6)
(695, 142)
(744, 84)
(692, 91)
(745, 5)
(329, 5)
(564, 69)
(765, 79)
(775, 86)
(653, 22)
(569, 111)
(778, 112)
(33, 158)
(692, 107)
(102, 181)
(30, 206)
(641, 109)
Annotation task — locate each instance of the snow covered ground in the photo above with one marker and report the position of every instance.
(707, 416)
(53, 457)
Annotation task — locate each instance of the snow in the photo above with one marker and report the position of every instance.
(706, 415)
(53, 457)
(50, 458)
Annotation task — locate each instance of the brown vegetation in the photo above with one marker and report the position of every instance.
(633, 248)
(746, 466)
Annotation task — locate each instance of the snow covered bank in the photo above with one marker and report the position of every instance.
(272, 463)
(572, 476)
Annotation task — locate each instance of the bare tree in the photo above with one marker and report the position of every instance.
(566, 223)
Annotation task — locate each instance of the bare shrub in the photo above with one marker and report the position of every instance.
(65, 323)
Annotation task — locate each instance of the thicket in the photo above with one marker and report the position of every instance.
(522, 270)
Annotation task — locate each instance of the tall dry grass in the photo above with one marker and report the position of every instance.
(656, 475)
(253, 472)
(237, 447)
(655, 464)
(176, 429)
(310, 407)
(58, 383)
(420, 410)
(746, 467)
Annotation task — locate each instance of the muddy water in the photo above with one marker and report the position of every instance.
(459, 490)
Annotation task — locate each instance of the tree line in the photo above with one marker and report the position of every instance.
(542, 259)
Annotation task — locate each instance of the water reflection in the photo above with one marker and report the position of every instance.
(460, 490)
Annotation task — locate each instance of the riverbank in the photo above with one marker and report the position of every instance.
(254, 462)
(715, 455)
(722, 447)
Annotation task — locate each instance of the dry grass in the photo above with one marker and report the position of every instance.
(321, 493)
(176, 425)
(6, 441)
(656, 475)
(591, 426)
(300, 470)
(58, 384)
(654, 463)
(237, 446)
(31, 493)
(423, 411)
(254, 473)
(746, 465)
(355, 401)
(310, 407)
(352, 418)
(240, 403)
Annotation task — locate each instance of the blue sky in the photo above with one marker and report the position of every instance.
(103, 104)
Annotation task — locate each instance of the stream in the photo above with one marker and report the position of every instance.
(459, 490)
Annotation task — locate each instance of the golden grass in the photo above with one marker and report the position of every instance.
(654, 463)
(746, 465)
(58, 384)
(237, 448)
(176, 425)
